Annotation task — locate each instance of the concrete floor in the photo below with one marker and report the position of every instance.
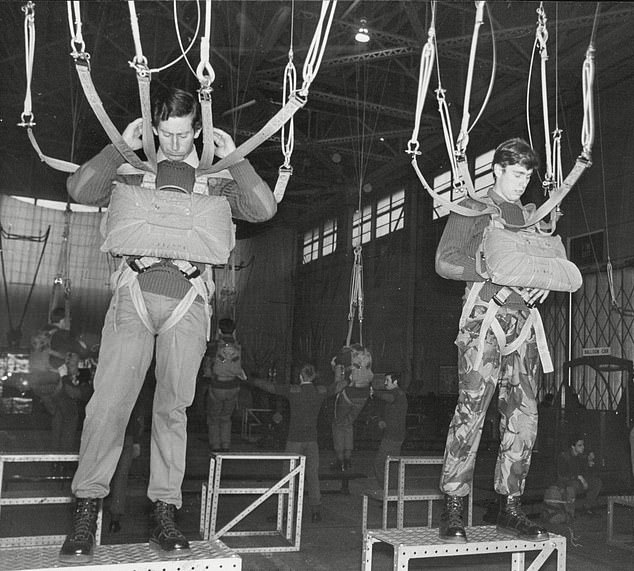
(335, 543)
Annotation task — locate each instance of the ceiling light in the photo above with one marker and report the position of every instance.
(363, 36)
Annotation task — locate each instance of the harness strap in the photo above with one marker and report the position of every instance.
(128, 277)
(533, 323)
(83, 71)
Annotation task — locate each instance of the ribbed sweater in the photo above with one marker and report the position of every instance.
(249, 196)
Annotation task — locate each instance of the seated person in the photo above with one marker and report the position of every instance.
(575, 473)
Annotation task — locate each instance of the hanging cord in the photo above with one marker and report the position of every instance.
(206, 76)
(184, 51)
(463, 135)
(287, 133)
(317, 45)
(27, 119)
(584, 160)
(356, 295)
(297, 101)
(428, 56)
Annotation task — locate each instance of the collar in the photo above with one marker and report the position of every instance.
(192, 159)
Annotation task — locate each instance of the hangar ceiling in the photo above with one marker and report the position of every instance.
(361, 106)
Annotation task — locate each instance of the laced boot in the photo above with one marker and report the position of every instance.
(512, 520)
(79, 545)
(165, 537)
(451, 524)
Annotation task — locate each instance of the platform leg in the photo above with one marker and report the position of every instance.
(517, 562)
(368, 543)
(610, 518)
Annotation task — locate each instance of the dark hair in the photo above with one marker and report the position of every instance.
(174, 102)
(226, 326)
(308, 372)
(574, 438)
(396, 377)
(515, 151)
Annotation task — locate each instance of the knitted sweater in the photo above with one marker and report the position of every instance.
(248, 195)
(461, 239)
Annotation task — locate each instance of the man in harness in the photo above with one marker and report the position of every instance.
(482, 362)
(160, 304)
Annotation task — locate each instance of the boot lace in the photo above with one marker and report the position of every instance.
(453, 509)
(165, 520)
(514, 508)
(84, 520)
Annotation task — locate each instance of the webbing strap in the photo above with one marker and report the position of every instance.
(272, 126)
(463, 135)
(57, 164)
(533, 323)
(128, 277)
(283, 176)
(143, 81)
(83, 71)
(207, 157)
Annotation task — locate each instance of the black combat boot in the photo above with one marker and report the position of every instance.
(165, 538)
(451, 524)
(512, 520)
(79, 545)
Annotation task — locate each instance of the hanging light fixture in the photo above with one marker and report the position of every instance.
(363, 35)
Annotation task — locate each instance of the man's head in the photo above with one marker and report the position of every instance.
(577, 444)
(392, 381)
(177, 122)
(513, 163)
(307, 374)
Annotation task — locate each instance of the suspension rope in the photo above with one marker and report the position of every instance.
(143, 75)
(428, 56)
(356, 295)
(287, 133)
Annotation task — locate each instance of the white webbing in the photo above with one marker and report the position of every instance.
(205, 72)
(317, 45)
(77, 43)
(27, 117)
(463, 135)
(128, 277)
(287, 133)
(587, 77)
(541, 40)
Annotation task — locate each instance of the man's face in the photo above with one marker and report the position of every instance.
(176, 137)
(578, 447)
(511, 181)
(389, 383)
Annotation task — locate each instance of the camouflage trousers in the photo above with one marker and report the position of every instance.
(515, 376)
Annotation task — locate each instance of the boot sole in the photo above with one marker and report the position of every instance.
(75, 558)
(514, 533)
(172, 554)
(452, 539)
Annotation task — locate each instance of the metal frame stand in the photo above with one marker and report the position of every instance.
(422, 542)
(251, 420)
(401, 494)
(288, 489)
(16, 499)
(625, 541)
